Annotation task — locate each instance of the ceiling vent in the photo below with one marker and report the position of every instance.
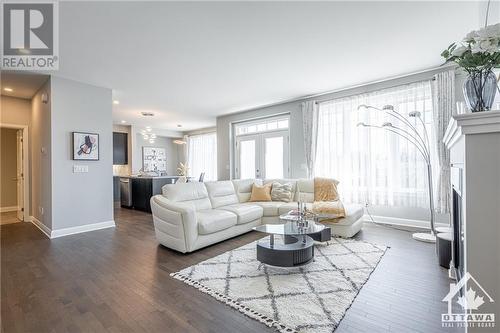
(147, 114)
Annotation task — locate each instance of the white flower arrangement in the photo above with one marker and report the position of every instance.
(478, 51)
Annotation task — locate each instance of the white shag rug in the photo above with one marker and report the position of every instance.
(311, 298)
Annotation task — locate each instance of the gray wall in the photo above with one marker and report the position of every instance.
(297, 151)
(8, 167)
(172, 150)
(81, 198)
(225, 154)
(41, 160)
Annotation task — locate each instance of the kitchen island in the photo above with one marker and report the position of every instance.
(136, 191)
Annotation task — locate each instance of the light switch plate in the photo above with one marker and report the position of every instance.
(80, 168)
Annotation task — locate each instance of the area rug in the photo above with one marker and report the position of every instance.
(311, 298)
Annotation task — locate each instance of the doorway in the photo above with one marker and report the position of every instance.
(14, 197)
(262, 149)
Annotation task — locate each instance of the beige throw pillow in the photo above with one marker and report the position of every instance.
(261, 193)
(281, 192)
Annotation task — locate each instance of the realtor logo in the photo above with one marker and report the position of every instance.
(30, 35)
(473, 298)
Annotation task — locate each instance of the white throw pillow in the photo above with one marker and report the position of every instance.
(282, 192)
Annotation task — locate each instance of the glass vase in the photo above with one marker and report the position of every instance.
(480, 88)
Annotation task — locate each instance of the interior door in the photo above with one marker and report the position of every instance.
(20, 176)
(248, 156)
(275, 155)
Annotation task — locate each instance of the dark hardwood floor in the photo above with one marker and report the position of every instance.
(117, 280)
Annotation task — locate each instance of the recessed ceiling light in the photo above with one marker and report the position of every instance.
(147, 114)
(116, 102)
(124, 121)
(8, 89)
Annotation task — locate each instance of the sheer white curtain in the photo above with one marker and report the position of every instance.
(443, 97)
(202, 155)
(373, 165)
(310, 122)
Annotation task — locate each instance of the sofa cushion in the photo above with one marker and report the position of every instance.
(213, 220)
(270, 207)
(245, 212)
(305, 190)
(221, 193)
(243, 188)
(195, 193)
(352, 214)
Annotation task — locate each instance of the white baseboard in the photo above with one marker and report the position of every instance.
(418, 224)
(43, 228)
(82, 228)
(8, 209)
(70, 231)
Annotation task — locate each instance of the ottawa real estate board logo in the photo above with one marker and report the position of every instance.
(30, 36)
(472, 298)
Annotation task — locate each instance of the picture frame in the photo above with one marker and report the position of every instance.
(154, 159)
(85, 146)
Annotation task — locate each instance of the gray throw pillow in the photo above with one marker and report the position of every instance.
(281, 192)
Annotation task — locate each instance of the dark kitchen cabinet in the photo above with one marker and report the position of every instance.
(144, 188)
(120, 148)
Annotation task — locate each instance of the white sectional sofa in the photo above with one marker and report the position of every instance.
(190, 216)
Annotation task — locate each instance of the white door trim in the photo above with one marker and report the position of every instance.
(26, 159)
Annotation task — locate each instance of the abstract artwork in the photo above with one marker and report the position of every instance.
(154, 159)
(85, 146)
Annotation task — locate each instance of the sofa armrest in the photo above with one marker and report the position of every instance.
(176, 225)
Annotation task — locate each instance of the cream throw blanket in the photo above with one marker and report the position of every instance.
(327, 204)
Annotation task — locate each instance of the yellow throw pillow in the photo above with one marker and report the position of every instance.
(261, 193)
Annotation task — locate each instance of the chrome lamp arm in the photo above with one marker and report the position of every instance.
(412, 135)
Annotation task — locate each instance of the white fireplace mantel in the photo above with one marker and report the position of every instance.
(473, 141)
(471, 123)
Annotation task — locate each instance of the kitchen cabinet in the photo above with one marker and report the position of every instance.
(120, 148)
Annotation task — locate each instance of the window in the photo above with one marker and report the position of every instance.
(372, 165)
(262, 148)
(202, 155)
(262, 125)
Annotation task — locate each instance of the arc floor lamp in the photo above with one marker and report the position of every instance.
(420, 140)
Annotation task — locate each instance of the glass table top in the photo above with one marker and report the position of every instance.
(290, 228)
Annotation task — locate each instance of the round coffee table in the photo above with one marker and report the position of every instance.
(295, 248)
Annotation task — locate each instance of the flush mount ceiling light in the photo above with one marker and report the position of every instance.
(7, 89)
(147, 114)
(116, 102)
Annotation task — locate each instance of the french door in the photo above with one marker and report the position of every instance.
(264, 155)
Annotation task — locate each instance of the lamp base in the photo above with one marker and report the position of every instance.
(424, 237)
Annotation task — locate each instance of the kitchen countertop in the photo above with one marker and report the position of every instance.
(147, 177)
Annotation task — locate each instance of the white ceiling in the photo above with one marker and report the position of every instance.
(23, 84)
(190, 62)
